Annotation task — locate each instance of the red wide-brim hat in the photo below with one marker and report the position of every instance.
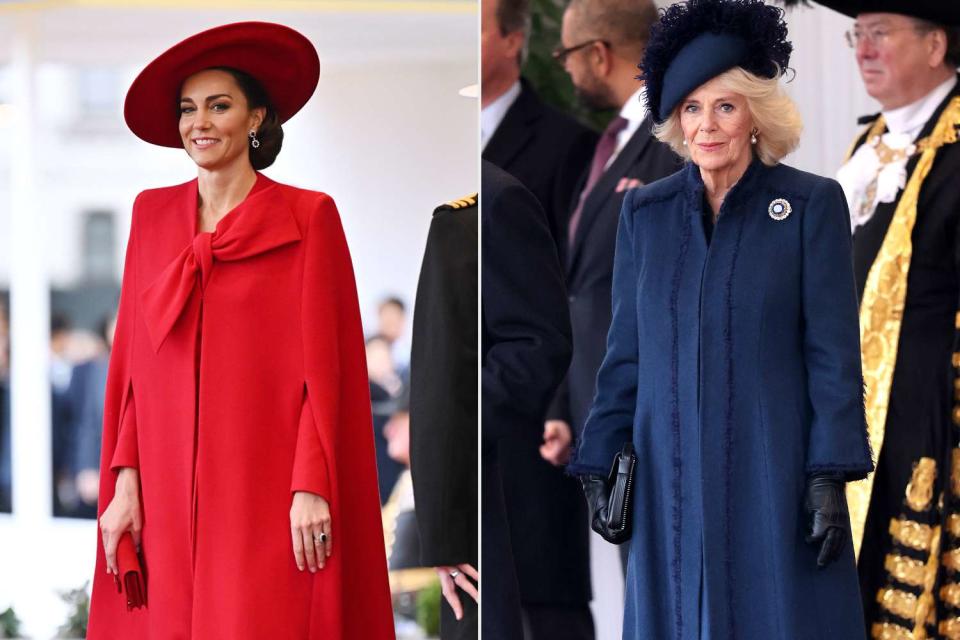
(279, 58)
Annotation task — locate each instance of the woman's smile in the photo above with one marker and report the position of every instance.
(709, 146)
(205, 142)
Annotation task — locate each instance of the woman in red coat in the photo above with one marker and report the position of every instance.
(237, 443)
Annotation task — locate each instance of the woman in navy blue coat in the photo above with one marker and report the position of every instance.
(733, 360)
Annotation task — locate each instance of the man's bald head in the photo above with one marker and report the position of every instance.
(625, 24)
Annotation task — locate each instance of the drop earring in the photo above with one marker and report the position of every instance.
(253, 140)
(753, 136)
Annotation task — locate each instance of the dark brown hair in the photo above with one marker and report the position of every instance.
(270, 133)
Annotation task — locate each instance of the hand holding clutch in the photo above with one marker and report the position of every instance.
(596, 491)
(130, 579)
(611, 499)
(826, 504)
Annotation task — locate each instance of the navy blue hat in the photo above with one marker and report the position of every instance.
(697, 40)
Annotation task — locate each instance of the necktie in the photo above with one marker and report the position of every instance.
(601, 156)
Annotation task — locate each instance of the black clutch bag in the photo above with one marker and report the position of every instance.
(619, 519)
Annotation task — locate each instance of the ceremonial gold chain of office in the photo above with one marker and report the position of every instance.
(885, 155)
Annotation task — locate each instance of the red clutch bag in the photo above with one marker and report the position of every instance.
(130, 580)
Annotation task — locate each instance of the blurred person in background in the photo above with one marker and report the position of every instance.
(5, 443)
(543, 148)
(381, 367)
(408, 576)
(87, 388)
(404, 542)
(602, 41)
(62, 415)
(246, 532)
(386, 389)
(900, 180)
(391, 324)
(443, 416)
(525, 349)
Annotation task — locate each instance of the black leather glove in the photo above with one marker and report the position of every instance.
(598, 494)
(825, 501)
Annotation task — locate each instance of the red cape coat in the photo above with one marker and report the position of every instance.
(237, 377)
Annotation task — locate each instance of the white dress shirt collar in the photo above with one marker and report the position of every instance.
(634, 110)
(493, 114)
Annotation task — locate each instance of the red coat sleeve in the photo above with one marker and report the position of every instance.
(119, 438)
(338, 394)
(126, 453)
(119, 442)
(310, 462)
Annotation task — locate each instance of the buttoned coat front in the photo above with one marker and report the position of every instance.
(237, 377)
(734, 368)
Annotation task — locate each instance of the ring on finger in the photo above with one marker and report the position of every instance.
(454, 574)
(321, 537)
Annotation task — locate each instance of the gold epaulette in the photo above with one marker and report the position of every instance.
(462, 203)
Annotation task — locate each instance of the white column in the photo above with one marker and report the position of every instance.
(29, 299)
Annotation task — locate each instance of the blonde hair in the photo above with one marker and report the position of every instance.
(774, 115)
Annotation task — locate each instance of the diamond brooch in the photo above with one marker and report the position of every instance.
(779, 209)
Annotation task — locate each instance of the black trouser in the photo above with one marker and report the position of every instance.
(557, 622)
(498, 578)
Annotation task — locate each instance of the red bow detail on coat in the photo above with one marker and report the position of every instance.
(260, 223)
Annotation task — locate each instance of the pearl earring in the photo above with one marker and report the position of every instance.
(684, 142)
(753, 136)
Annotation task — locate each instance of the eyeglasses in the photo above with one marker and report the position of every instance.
(875, 36)
(560, 54)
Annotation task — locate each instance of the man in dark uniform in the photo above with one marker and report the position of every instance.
(525, 349)
(901, 186)
(443, 412)
(544, 149)
(602, 42)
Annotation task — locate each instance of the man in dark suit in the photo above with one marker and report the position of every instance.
(543, 148)
(547, 151)
(602, 41)
(443, 412)
(525, 344)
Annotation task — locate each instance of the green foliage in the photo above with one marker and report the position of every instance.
(79, 602)
(9, 624)
(428, 609)
(544, 73)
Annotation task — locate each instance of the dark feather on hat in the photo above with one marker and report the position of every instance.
(794, 3)
(761, 26)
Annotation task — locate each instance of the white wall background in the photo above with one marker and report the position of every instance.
(386, 134)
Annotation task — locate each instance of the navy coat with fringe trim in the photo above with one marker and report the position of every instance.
(734, 367)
